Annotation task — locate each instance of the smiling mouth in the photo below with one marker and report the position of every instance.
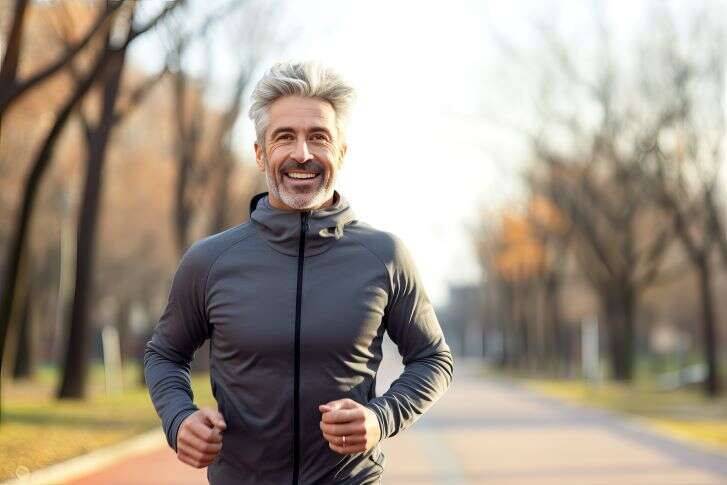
(301, 175)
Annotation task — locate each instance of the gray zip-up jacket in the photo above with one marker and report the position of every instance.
(295, 305)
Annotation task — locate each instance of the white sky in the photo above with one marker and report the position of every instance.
(416, 164)
(427, 150)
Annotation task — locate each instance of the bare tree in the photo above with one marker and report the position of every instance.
(75, 365)
(15, 274)
(205, 163)
(600, 188)
(554, 233)
(15, 277)
(687, 77)
(259, 38)
(12, 88)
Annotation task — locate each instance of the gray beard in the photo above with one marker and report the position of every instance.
(295, 201)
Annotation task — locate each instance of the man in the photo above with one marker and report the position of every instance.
(295, 303)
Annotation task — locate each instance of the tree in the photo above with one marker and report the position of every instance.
(205, 162)
(15, 273)
(684, 166)
(12, 88)
(597, 147)
(553, 233)
(75, 364)
(15, 277)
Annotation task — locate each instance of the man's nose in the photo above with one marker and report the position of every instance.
(301, 154)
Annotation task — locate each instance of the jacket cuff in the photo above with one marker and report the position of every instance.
(176, 423)
(380, 416)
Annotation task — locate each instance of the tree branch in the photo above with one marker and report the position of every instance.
(137, 96)
(136, 32)
(18, 88)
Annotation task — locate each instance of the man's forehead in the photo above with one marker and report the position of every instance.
(301, 113)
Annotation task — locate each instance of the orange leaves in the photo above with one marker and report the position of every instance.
(546, 215)
(521, 244)
(520, 254)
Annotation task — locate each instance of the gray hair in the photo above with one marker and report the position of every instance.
(308, 79)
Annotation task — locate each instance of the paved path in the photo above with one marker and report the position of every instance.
(485, 432)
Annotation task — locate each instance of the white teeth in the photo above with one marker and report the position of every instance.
(298, 175)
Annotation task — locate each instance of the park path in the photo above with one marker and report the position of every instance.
(492, 432)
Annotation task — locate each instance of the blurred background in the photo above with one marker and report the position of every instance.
(554, 166)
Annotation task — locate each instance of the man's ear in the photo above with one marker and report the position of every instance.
(344, 149)
(259, 157)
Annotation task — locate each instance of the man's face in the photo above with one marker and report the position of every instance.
(302, 153)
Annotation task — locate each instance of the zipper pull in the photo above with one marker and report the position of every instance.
(305, 221)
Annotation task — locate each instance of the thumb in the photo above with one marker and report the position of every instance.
(331, 406)
(214, 418)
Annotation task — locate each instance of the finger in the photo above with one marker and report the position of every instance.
(343, 429)
(348, 450)
(203, 454)
(331, 406)
(197, 456)
(350, 440)
(214, 418)
(343, 416)
(191, 441)
(196, 447)
(195, 463)
(349, 404)
(205, 433)
(219, 422)
(186, 459)
(194, 459)
(341, 404)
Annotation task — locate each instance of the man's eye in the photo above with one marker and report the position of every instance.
(284, 137)
(319, 137)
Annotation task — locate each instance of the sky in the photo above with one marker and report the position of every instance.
(433, 141)
(416, 166)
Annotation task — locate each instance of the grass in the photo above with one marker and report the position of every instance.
(684, 413)
(38, 430)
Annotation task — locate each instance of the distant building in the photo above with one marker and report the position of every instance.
(461, 320)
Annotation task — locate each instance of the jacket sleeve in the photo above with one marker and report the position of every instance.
(428, 365)
(180, 332)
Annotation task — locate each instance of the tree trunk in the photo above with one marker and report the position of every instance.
(186, 145)
(710, 337)
(555, 345)
(76, 361)
(122, 324)
(14, 275)
(222, 196)
(619, 309)
(25, 350)
(15, 308)
(9, 68)
(506, 308)
(524, 336)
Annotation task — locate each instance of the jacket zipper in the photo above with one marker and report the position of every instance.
(296, 375)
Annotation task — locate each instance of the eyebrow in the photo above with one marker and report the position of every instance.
(286, 129)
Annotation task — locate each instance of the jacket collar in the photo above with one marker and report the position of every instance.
(281, 229)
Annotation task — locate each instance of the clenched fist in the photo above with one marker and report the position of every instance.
(199, 438)
(349, 427)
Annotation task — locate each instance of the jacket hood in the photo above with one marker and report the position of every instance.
(281, 229)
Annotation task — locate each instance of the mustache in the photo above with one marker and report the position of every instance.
(309, 166)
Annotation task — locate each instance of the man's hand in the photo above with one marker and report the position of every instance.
(199, 438)
(346, 417)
